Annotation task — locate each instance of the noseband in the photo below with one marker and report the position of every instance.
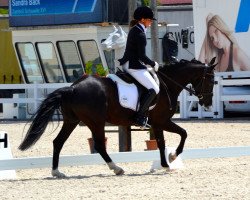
(201, 93)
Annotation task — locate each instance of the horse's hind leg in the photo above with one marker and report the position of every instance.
(58, 143)
(99, 139)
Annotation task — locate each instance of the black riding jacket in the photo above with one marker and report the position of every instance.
(135, 51)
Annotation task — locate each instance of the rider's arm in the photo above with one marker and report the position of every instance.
(141, 50)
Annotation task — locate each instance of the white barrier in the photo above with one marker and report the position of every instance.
(6, 155)
(221, 97)
(222, 79)
(34, 94)
(35, 87)
(186, 100)
(190, 108)
(121, 157)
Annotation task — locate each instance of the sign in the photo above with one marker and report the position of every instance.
(53, 12)
(5, 153)
(225, 35)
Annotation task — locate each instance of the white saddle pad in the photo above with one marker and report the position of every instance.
(128, 93)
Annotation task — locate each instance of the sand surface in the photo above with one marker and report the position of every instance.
(217, 178)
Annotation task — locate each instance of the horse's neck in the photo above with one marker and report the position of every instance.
(182, 79)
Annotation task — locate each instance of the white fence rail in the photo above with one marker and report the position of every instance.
(35, 93)
(188, 102)
(121, 157)
(221, 97)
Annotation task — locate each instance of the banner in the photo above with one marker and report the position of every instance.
(221, 29)
(50, 12)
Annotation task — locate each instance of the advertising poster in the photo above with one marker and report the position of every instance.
(51, 12)
(221, 29)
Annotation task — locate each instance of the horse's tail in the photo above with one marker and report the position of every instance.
(42, 117)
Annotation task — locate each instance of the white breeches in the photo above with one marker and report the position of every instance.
(143, 77)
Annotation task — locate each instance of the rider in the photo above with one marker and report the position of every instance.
(134, 60)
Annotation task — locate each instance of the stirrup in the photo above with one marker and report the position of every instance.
(145, 125)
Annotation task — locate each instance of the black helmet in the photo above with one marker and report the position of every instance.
(143, 12)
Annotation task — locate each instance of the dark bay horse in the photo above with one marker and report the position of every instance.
(94, 101)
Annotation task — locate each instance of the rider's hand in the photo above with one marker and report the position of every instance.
(156, 67)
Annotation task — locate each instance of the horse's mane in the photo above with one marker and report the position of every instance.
(191, 61)
(175, 67)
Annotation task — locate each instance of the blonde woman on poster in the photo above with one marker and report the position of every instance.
(220, 42)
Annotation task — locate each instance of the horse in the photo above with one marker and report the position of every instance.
(93, 100)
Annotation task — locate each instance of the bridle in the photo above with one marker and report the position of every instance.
(201, 93)
(190, 90)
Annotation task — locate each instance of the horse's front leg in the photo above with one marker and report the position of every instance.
(172, 127)
(161, 145)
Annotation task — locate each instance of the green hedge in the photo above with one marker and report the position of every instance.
(4, 11)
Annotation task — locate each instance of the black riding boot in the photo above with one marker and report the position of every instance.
(141, 118)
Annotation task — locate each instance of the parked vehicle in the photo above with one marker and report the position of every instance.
(237, 105)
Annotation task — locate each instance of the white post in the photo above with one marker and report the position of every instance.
(214, 104)
(199, 112)
(215, 98)
(220, 93)
(182, 105)
(6, 154)
(36, 96)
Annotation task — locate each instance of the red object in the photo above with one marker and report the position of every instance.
(4, 3)
(175, 2)
(151, 144)
(238, 102)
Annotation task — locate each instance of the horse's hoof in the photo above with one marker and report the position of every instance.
(119, 171)
(172, 157)
(57, 174)
(168, 169)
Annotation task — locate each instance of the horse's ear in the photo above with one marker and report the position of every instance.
(212, 61)
(212, 67)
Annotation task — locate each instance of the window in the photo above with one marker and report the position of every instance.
(70, 60)
(29, 63)
(110, 58)
(49, 62)
(90, 55)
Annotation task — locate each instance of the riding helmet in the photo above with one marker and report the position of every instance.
(143, 12)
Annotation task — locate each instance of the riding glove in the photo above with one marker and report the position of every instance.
(156, 67)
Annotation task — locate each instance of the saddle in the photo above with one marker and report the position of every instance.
(130, 91)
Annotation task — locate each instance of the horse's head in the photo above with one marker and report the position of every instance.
(203, 85)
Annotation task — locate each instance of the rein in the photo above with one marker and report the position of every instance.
(183, 87)
(191, 91)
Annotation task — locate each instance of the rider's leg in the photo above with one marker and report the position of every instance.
(145, 79)
(141, 117)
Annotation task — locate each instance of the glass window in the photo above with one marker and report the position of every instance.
(49, 62)
(70, 60)
(110, 59)
(29, 63)
(90, 55)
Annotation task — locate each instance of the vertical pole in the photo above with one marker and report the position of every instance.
(155, 33)
(125, 131)
(219, 100)
(124, 138)
(132, 4)
(154, 42)
(35, 96)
